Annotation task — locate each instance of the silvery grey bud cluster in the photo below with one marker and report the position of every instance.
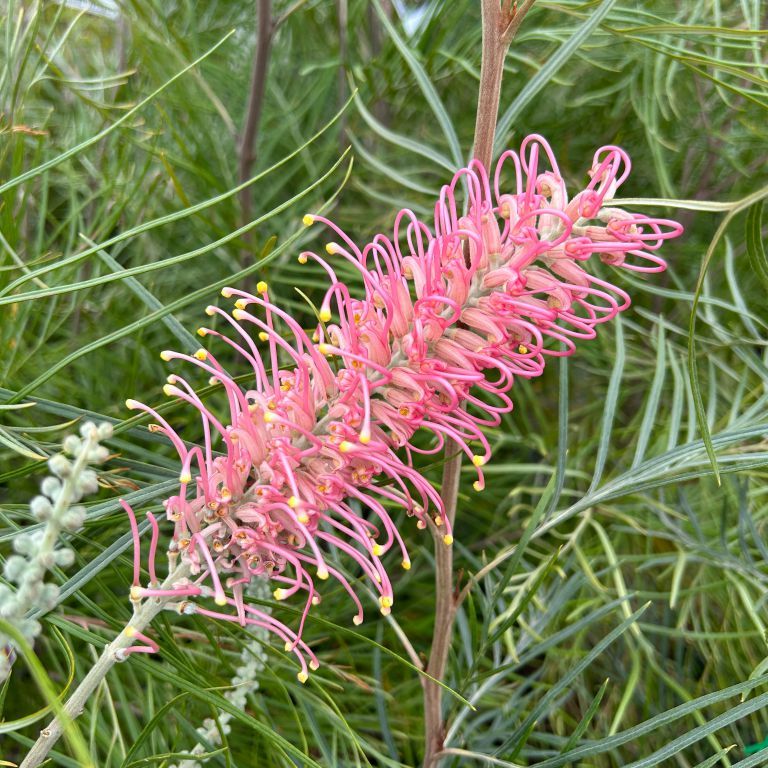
(38, 551)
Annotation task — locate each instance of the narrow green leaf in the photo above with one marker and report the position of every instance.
(754, 239)
(541, 79)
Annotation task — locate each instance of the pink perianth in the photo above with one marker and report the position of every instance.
(442, 322)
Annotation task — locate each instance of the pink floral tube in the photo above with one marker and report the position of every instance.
(320, 447)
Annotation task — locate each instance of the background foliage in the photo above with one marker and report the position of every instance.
(626, 586)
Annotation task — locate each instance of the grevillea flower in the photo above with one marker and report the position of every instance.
(319, 447)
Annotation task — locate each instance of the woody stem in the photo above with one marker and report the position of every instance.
(499, 25)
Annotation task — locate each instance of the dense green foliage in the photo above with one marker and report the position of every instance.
(627, 583)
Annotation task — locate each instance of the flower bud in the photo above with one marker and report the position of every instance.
(105, 430)
(88, 482)
(60, 465)
(64, 557)
(14, 567)
(24, 544)
(51, 487)
(98, 454)
(41, 508)
(73, 519)
(88, 430)
(49, 596)
(72, 445)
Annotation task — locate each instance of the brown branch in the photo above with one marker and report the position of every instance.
(500, 23)
(247, 148)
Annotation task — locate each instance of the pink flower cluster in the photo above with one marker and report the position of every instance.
(318, 449)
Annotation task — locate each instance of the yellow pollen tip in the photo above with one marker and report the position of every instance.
(302, 259)
(314, 665)
(241, 303)
(202, 332)
(325, 315)
(269, 418)
(185, 477)
(315, 599)
(345, 446)
(288, 646)
(210, 311)
(165, 355)
(303, 518)
(322, 574)
(438, 521)
(302, 677)
(263, 336)
(385, 601)
(130, 631)
(385, 611)
(293, 502)
(220, 600)
(378, 550)
(238, 314)
(131, 404)
(406, 565)
(522, 349)
(201, 354)
(279, 594)
(261, 286)
(477, 485)
(357, 620)
(478, 461)
(448, 540)
(226, 293)
(365, 438)
(308, 220)
(330, 249)
(167, 390)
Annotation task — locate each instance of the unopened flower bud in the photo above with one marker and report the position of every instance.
(88, 482)
(48, 597)
(24, 544)
(14, 567)
(64, 557)
(88, 430)
(60, 465)
(41, 508)
(105, 430)
(73, 519)
(98, 454)
(72, 445)
(51, 487)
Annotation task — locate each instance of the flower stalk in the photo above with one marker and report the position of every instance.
(499, 26)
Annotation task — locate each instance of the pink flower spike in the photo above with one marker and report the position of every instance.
(313, 466)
